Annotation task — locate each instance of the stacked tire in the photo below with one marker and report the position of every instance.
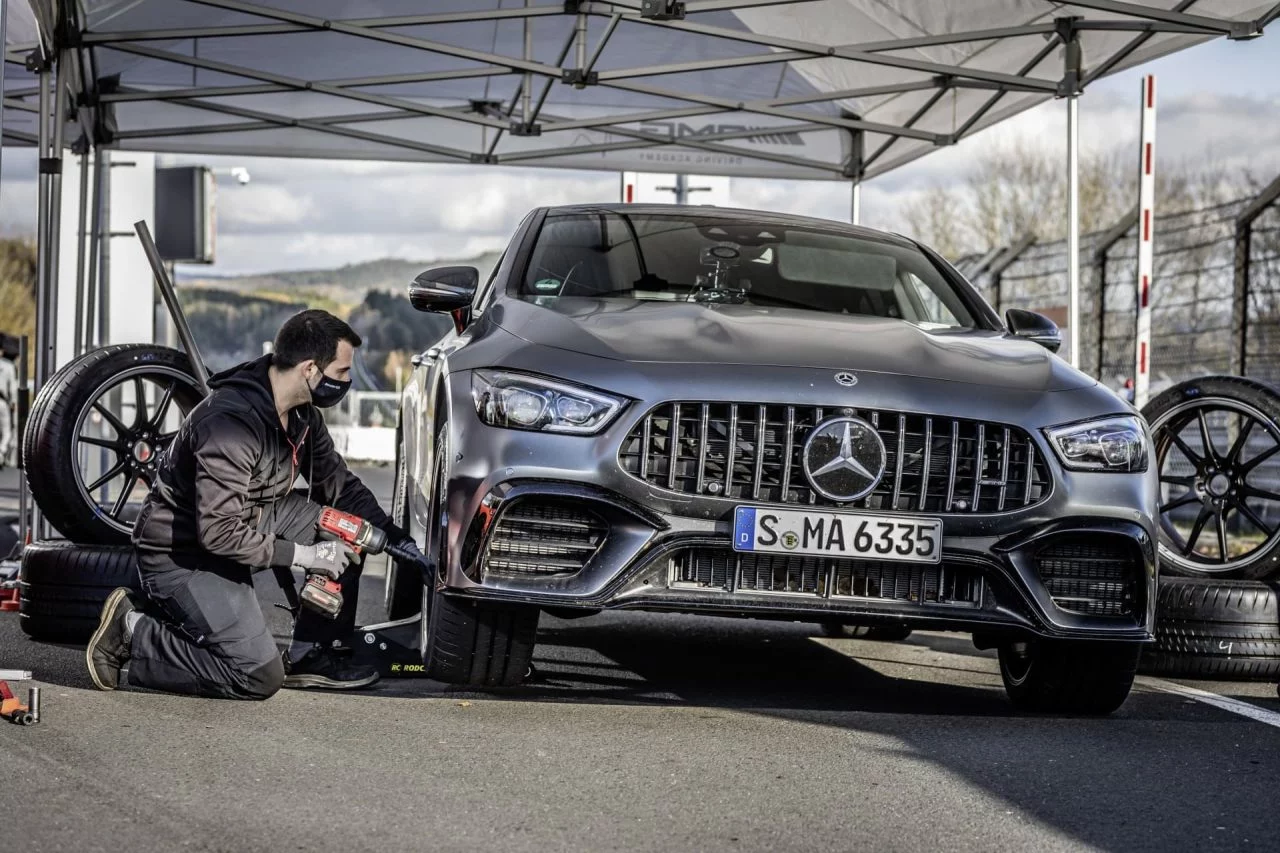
(1218, 604)
(63, 583)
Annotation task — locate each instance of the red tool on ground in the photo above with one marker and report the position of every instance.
(324, 595)
(22, 713)
(8, 589)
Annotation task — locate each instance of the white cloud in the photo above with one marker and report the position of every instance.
(308, 213)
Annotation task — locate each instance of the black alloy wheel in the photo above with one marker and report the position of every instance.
(97, 432)
(134, 432)
(1219, 466)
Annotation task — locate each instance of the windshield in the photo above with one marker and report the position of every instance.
(702, 257)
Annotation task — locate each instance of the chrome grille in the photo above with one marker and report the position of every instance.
(752, 452)
(1091, 579)
(879, 580)
(543, 537)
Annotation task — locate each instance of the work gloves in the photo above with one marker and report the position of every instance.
(408, 545)
(328, 558)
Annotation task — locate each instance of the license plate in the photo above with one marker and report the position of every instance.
(837, 534)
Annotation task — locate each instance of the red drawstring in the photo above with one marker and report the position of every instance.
(298, 446)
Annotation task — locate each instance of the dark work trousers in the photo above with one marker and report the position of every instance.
(204, 633)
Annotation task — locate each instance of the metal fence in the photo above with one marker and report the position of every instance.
(1215, 296)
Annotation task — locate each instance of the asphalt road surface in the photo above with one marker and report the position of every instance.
(642, 732)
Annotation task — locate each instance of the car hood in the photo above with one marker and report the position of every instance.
(685, 332)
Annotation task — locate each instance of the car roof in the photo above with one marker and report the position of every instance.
(735, 213)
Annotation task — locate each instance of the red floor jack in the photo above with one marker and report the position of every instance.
(22, 713)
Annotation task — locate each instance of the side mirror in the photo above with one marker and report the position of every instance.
(444, 289)
(1034, 327)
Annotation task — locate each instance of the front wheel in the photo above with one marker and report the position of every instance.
(1068, 676)
(402, 592)
(475, 643)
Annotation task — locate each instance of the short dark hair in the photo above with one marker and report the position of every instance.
(311, 334)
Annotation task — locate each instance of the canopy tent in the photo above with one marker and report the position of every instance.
(778, 88)
(834, 89)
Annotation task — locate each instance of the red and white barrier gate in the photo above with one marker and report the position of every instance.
(1146, 236)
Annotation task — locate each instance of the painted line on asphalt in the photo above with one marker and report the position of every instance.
(1234, 706)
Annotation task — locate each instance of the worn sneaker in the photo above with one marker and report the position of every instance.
(108, 648)
(321, 668)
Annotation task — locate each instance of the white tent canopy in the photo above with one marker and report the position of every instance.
(777, 88)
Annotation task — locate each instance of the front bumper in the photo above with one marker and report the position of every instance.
(654, 554)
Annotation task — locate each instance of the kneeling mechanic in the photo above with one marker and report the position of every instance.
(223, 506)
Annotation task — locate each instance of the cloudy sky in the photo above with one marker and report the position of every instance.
(1219, 102)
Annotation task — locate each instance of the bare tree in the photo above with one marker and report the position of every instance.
(1017, 189)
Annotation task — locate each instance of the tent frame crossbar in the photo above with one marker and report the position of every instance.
(941, 77)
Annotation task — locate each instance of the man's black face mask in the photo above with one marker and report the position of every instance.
(328, 392)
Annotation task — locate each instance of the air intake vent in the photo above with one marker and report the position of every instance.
(540, 537)
(1092, 579)
(880, 580)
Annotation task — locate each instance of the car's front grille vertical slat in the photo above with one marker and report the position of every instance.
(901, 455)
(979, 464)
(762, 426)
(951, 471)
(785, 496)
(753, 451)
(703, 441)
(646, 436)
(1031, 463)
(732, 453)
(673, 447)
(925, 467)
(817, 419)
(1004, 470)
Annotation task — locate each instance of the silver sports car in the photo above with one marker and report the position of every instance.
(748, 414)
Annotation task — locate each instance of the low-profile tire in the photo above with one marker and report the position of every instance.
(473, 643)
(479, 644)
(880, 633)
(1214, 629)
(53, 435)
(402, 592)
(1075, 677)
(62, 587)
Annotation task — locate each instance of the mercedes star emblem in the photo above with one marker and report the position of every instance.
(846, 379)
(844, 459)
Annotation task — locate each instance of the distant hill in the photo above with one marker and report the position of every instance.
(232, 316)
(345, 286)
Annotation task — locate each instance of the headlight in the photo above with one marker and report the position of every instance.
(521, 401)
(1110, 444)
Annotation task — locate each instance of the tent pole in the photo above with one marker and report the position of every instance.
(43, 288)
(856, 167)
(1073, 228)
(4, 28)
(54, 230)
(104, 252)
(1073, 60)
(77, 343)
(93, 309)
(526, 95)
